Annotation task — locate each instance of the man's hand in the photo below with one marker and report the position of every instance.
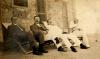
(64, 32)
(45, 32)
(75, 28)
(79, 29)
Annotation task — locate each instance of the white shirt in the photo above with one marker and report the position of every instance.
(54, 31)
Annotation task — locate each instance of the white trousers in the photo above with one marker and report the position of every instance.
(83, 35)
(52, 37)
(65, 40)
(69, 39)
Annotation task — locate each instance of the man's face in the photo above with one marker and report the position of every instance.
(14, 20)
(52, 23)
(37, 19)
(76, 21)
(49, 22)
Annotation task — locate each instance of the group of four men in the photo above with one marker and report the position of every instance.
(46, 30)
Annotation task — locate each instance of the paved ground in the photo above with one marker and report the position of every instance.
(91, 53)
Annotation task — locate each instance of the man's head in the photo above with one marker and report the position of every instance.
(13, 20)
(76, 21)
(37, 19)
(50, 22)
(53, 23)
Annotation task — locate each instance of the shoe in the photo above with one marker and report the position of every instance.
(57, 40)
(73, 49)
(61, 49)
(43, 51)
(37, 53)
(83, 46)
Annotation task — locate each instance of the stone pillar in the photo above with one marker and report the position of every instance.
(71, 13)
(65, 17)
(41, 9)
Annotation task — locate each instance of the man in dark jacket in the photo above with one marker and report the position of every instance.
(17, 34)
(38, 31)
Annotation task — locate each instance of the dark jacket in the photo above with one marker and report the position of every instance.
(38, 32)
(36, 29)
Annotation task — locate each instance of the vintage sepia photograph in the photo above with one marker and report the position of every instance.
(49, 29)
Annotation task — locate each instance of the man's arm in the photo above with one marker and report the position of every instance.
(32, 28)
(43, 27)
(74, 29)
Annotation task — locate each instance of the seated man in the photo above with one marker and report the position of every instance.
(75, 30)
(55, 32)
(38, 33)
(17, 34)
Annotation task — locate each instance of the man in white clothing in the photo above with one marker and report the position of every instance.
(56, 32)
(75, 30)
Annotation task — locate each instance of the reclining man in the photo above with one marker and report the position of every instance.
(55, 33)
(17, 34)
(68, 39)
(38, 31)
(81, 35)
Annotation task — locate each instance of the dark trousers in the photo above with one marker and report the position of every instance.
(39, 37)
(21, 37)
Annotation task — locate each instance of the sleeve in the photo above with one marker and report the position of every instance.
(43, 27)
(31, 28)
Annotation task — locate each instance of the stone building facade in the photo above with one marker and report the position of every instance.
(60, 11)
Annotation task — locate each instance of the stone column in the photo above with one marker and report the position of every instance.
(41, 9)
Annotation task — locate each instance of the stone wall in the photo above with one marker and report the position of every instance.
(54, 11)
(8, 9)
(88, 13)
(5, 10)
(26, 14)
(59, 11)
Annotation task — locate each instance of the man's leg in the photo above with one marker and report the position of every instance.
(85, 40)
(65, 40)
(74, 39)
(59, 44)
(52, 37)
(33, 43)
(56, 41)
(40, 39)
(67, 43)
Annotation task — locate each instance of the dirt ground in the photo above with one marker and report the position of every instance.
(92, 53)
